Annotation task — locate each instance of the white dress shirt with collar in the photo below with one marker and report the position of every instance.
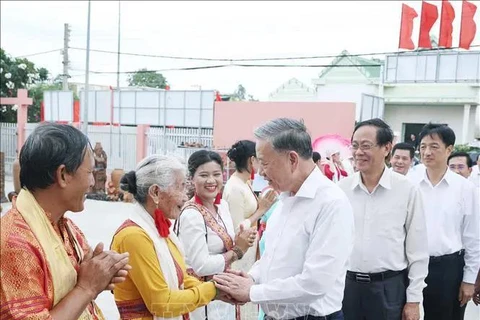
(452, 212)
(308, 240)
(390, 229)
(475, 176)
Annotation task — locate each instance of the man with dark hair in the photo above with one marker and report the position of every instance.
(48, 269)
(316, 157)
(460, 163)
(388, 265)
(389, 261)
(402, 158)
(453, 225)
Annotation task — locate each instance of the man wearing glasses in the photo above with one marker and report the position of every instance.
(461, 163)
(389, 261)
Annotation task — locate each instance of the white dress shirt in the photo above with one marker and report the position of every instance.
(390, 229)
(452, 212)
(308, 240)
(475, 176)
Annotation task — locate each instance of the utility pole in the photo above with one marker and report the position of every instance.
(87, 74)
(66, 42)
(118, 49)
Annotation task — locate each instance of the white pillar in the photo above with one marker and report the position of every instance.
(466, 122)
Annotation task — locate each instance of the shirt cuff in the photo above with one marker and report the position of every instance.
(469, 277)
(413, 297)
(256, 293)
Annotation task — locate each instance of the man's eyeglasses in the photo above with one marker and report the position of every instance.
(363, 147)
(459, 167)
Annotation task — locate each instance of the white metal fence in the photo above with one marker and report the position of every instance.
(180, 141)
(120, 143)
(8, 145)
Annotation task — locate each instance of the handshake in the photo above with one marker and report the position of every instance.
(233, 287)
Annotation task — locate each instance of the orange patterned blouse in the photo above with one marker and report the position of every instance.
(26, 283)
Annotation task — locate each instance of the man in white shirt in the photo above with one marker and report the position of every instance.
(453, 225)
(461, 163)
(389, 263)
(402, 158)
(475, 175)
(309, 236)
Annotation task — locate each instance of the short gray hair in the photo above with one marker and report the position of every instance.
(287, 135)
(161, 170)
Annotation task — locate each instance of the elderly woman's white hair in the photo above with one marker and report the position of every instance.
(161, 170)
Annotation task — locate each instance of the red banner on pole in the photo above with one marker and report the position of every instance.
(468, 27)
(406, 28)
(429, 17)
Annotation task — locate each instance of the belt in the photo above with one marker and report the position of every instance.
(451, 256)
(310, 317)
(372, 277)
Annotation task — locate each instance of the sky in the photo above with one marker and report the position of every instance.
(210, 29)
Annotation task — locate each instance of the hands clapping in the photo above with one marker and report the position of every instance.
(101, 270)
(245, 238)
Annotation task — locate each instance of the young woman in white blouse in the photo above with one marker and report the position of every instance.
(206, 231)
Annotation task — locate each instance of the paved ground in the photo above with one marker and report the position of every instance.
(100, 220)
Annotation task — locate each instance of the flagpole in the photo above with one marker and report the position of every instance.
(118, 82)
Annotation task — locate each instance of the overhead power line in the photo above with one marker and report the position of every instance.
(237, 65)
(260, 59)
(38, 53)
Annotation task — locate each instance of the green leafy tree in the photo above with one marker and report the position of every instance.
(16, 73)
(146, 78)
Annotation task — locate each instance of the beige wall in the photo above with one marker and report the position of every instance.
(397, 115)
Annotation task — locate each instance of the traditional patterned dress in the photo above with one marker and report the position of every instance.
(147, 293)
(206, 237)
(28, 289)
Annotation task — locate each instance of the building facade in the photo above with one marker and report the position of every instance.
(407, 90)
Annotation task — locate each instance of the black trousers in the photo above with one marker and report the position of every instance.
(440, 297)
(375, 300)
(334, 316)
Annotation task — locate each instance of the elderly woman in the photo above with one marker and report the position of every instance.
(48, 269)
(205, 228)
(158, 285)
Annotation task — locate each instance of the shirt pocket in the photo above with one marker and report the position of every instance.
(391, 222)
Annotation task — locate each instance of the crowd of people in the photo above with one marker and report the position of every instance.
(368, 238)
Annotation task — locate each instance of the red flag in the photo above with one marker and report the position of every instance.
(406, 27)
(429, 17)
(218, 97)
(446, 28)
(468, 28)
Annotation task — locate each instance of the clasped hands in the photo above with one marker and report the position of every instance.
(233, 287)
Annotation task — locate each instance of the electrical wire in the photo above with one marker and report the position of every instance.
(262, 59)
(236, 65)
(38, 53)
